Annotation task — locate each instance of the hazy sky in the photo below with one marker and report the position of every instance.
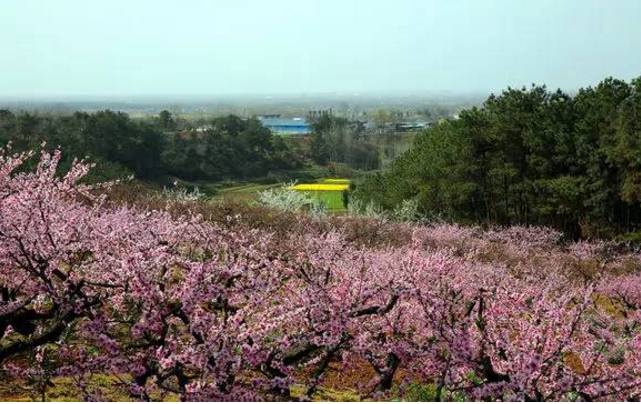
(132, 47)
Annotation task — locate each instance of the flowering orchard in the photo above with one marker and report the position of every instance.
(176, 305)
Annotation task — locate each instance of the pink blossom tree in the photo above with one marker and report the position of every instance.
(178, 305)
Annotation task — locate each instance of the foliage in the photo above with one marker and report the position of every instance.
(230, 147)
(338, 140)
(407, 211)
(370, 210)
(528, 156)
(181, 194)
(289, 200)
(168, 302)
(227, 147)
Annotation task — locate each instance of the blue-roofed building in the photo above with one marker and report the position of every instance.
(286, 126)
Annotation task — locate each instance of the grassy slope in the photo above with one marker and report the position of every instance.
(333, 200)
(242, 193)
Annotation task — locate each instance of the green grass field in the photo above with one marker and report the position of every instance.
(243, 193)
(333, 200)
(248, 192)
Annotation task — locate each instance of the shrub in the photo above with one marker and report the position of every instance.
(407, 211)
(181, 194)
(289, 200)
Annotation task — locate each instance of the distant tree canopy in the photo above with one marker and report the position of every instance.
(224, 147)
(529, 156)
(229, 147)
(117, 144)
(336, 139)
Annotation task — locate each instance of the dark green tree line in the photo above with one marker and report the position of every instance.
(529, 156)
(228, 147)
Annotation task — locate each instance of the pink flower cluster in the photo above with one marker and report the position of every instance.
(182, 306)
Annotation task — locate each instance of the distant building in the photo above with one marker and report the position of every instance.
(286, 126)
(410, 126)
(204, 128)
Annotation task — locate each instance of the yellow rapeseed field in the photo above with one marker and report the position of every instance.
(320, 187)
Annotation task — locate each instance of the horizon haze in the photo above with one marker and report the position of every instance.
(71, 49)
